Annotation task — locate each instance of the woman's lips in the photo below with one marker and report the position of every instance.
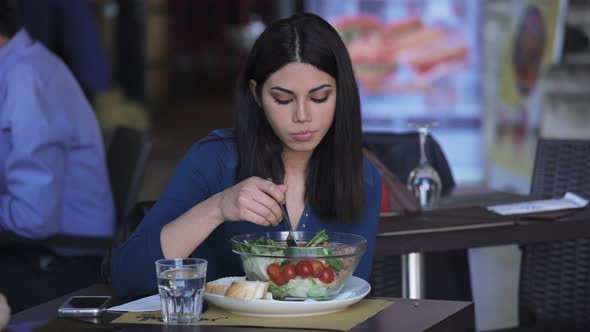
(303, 136)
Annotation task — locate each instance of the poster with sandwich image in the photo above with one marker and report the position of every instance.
(417, 60)
(421, 55)
(532, 44)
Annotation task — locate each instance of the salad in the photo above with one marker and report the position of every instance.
(316, 270)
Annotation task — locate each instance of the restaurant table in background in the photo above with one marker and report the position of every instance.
(463, 222)
(404, 315)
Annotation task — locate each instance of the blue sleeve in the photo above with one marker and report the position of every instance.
(194, 180)
(370, 219)
(35, 166)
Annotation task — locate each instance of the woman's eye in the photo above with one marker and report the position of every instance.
(282, 101)
(317, 100)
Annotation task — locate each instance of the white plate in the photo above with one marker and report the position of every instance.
(355, 289)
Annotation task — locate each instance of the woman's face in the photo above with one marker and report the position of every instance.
(299, 102)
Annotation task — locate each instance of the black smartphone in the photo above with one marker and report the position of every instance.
(83, 306)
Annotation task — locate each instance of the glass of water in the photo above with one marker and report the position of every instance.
(181, 283)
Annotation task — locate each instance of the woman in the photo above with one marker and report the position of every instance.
(299, 125)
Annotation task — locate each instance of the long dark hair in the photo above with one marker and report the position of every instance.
(334, 183)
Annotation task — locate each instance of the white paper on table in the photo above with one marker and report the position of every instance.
(150, 303)
(568, 201)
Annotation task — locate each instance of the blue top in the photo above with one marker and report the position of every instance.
(53, 175)
(208, 168)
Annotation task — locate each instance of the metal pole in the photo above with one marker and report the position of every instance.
(415, 276)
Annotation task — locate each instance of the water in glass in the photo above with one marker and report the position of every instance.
(181, 293)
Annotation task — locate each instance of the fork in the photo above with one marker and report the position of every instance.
(291, 242)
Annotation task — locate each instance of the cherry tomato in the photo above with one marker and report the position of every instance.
(273, 270)
(304, 269)
(318, 267)
(289, 272)
(327, 275)
(279, 280)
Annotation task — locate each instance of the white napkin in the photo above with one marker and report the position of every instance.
(568, 201)
(150, 303)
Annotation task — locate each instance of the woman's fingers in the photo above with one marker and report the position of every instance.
(251, 199)
(267, 212)
(253, 217)
(255, 200)
(271, 207)
(277, 192)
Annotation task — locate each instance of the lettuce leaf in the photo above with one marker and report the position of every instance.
(255, 266)
(298, 287)
(277, 291)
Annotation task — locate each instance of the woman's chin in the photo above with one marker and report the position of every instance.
(302, 147)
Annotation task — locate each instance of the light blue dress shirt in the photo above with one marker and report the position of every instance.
(53, 175)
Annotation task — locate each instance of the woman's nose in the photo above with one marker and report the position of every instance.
(302, 114)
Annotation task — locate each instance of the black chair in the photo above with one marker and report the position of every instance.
(555, 276)
(448, 276)
(401, 153)
(130, 222)
(127, 158)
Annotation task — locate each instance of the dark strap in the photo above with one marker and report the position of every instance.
(401, 199)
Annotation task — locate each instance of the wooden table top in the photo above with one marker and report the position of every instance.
(403, 315)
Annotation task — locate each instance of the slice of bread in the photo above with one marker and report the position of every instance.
(220, 286)
(219, 289)
(248, 290)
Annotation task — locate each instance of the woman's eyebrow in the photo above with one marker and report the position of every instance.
(320, 87)
(282, 89)
(291, 92)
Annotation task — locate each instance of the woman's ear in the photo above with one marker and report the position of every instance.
(253, 91)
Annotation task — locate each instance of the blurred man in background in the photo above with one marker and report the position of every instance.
(53, 175)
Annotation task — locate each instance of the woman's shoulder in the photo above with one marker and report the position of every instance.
(221, 136)
(219, 143)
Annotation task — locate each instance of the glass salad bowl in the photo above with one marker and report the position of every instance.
(316, 269)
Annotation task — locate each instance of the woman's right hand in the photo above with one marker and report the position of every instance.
(255, 200)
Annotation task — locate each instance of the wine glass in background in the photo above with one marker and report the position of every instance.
(424, 182)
